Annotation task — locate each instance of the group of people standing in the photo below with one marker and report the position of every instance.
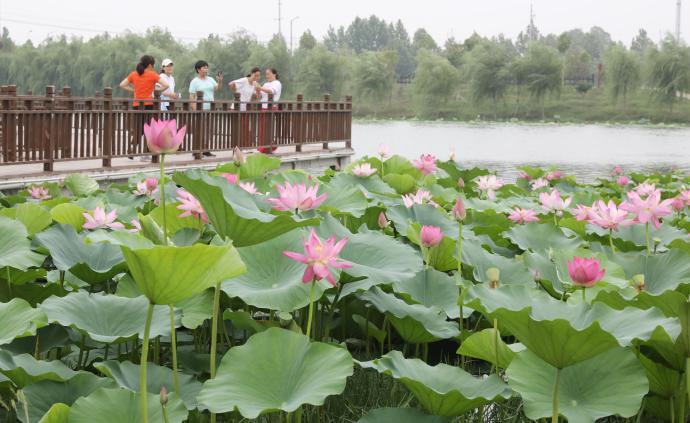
(144, 81)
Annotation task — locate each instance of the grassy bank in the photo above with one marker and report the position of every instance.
(569, 106)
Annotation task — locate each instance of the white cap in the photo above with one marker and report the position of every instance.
(167, 62)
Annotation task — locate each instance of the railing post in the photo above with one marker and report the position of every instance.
(108, 131)
(235, 123)
(65, 124)
(267, 118)
(49, 152)
(8, 125)
(348, 121)
(198, 126)
(327, 106)
(298, 125)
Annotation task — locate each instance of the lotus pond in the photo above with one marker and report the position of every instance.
(393, 290)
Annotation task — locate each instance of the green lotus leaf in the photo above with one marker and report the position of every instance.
(488, 346)
(636, 234)
(126, 375)
(33, 293)
(442, 257)
(41, 396)
(542, 237)
(431, 288)
(273, 281)
(80, 184)
(259, 378)
(90, 262)
(21, 277)
(24, 369)
(69, 214)
(196, 309)
(168, 274)
(662, 272)
(122, 405)
(400, 415)
(235, 213)
(402, 184)
(173, 221)
(15, 247)
(369, 328)
(424, 214)
(131, 240)
(106, 318)
(344, 200)
(372, 184)
(441, 390)
(611, 383)
(564, 334)
(414, 322)
(255, 165)
(19, 320)
(663, 382)
(58, 413)
(34, 217)
(241, 320)
(512, 272)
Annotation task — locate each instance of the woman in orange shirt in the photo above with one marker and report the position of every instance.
(142, 82)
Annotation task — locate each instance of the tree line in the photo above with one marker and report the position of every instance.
(369, 57)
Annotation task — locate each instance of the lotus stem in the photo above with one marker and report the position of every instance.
(37, 349)
(173, 346)
(460, 252)
(687, 377)
(672, 408)
(162, 197)
(311, 307)
(496, 336)
(143, 365)
(613, 249)
(214, 329)
(554, 399)
(584, 295)
(681, 405)
(332, 311)
(646, 237)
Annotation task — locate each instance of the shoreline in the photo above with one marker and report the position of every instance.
(635, 124)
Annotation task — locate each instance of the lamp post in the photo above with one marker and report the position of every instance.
(291, 21)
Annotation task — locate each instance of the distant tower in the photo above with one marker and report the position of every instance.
(532, 31)
(280, 17)
(678, 20)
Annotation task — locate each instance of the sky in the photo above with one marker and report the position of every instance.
(193, 20)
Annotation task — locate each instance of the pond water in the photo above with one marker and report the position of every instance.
(586, 151)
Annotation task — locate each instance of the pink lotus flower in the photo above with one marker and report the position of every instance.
(623, 180)
(524, 175)
(678, 204)
(420, 197)
(250, 187)
(431, 236)
(645, 189)
(648, 210)
(489, 183)
(319, 257)
(383, 151)
(297, 197)
(232, 178)
(136, 226)
(426, 164)
(190, 206)
(363, 170)
(581, 213)
(607, 216)
(148, 187)
(555, 175)
(585, 271)
(37, 192)
(522, 216)
(552, 202)
(685, 196)
(459, 212)
(539, 183)
(162, 136)
(382, 221)
(99, 219)
(617, 170)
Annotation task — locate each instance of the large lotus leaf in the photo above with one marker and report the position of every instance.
(663, 381)
(344, 200)
(273, 281)
(34, 217)
(399, 164)
(403, 184)
(196, 309)
(106, 318)
(41, 396)
(19, 320)
(69, 214)
(442, 257)
(372, 254)
(371, 184)
(255, 165)
(636, 234)
(122, 405)
(126, 375)
(542, 237)
(235, 213)
(512, 271)
(414, 322)
(400, 415)
(611, 383)
(15, 247)
(260, 377)
(487, 345)
(563, 334)
(58, 413)
(432, 289)
(369, 328)
(131, 240)
(663, 272)
(442, 390)
(424, 214)
(80, 184)
(173, 220)
(168, 275)
(24, 369)
(89, 262)
(668, 302)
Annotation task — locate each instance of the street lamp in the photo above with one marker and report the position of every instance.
(291, 21)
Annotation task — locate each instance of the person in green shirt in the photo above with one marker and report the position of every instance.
(207, 85)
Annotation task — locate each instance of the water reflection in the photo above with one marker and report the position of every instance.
(587, 151)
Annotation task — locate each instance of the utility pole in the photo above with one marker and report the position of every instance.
(678, 20)
(291, 21)
(280, 17)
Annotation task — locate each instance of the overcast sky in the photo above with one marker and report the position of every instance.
(191, 20)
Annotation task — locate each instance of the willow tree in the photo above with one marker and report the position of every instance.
(622, 72)
(669, 74)
(435, 82)
(542, 67)
(373, 76)
(489, 72)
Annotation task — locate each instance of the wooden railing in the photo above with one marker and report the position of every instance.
(57, 127)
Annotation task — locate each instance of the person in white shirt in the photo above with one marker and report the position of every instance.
(272, 86)
(246, 87)
(167, 76)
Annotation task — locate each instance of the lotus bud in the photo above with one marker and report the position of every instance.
(552, 255)
(164, 396)
(494, 276)
(638, 283)
(285, 319)
(459, 212)
(461, 183)
(537, 276)
(382, 221)
(452, 155)
(238, 157)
